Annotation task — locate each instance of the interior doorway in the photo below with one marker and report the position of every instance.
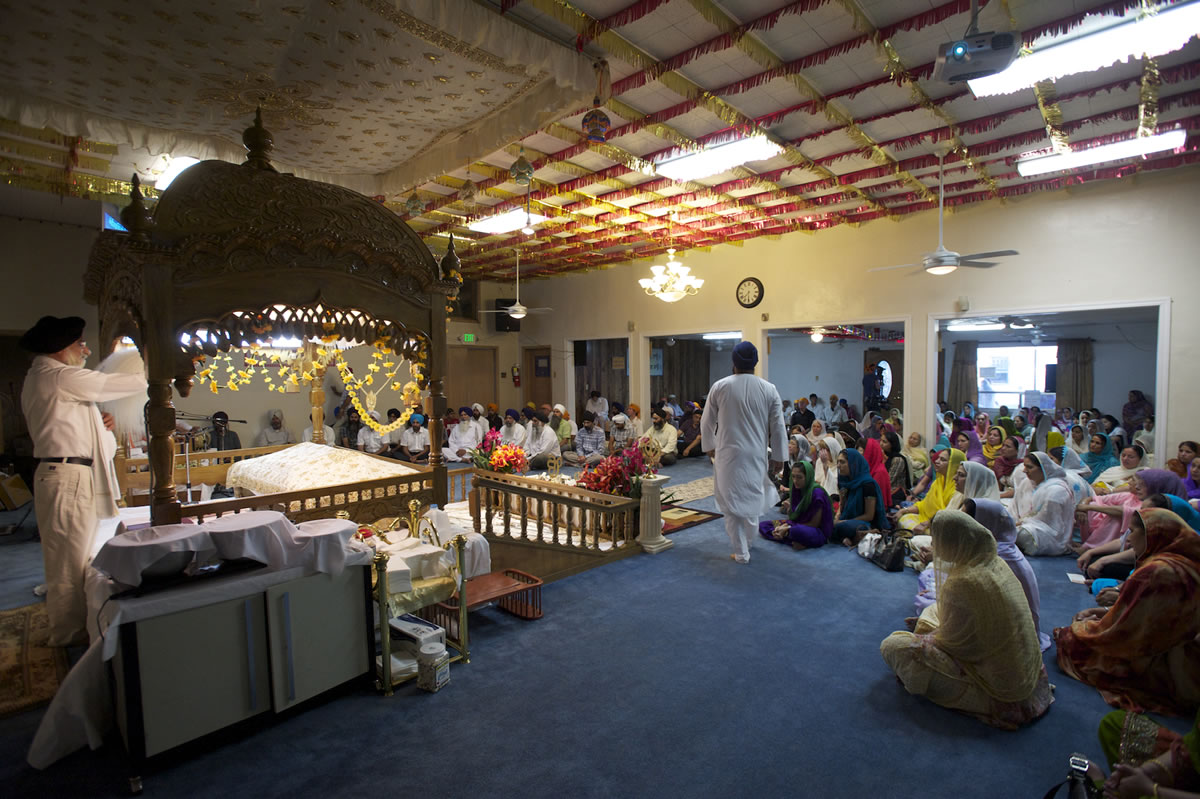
(536, 376)
(601, 365)
(471, 376)
(889, 367)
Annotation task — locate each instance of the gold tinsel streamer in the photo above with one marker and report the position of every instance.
(1052, 115)
(78, 184)
(50, 136)
(59, 158)
(1148, 99)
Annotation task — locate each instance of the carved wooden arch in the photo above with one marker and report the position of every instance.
(227, 238)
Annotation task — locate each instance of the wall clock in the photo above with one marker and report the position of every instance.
(750, 292)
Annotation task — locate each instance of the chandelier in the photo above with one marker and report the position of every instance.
(670, 282)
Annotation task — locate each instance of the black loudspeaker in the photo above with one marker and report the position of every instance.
(1051, 378)
(504, 322)
(581, 353)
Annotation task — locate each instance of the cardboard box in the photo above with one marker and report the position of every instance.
(14, 493)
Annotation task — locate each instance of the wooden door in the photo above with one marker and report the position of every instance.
(471, 376)
(894, 360)
(604, 371)
(537, 388)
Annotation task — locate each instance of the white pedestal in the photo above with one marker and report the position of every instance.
(651, 537)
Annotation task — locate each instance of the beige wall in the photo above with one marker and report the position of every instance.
(1111, 242)
(1106, 243)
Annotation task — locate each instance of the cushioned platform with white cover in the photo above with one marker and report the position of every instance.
(310, 465)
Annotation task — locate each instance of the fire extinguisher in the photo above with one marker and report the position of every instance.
(516, 373)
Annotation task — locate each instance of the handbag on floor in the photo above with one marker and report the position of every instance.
(890, 555)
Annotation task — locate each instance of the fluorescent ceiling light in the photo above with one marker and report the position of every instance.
(174, 167)
(1117, 151)
(1153, 35)
(974, 327)
(719, 336)
(506, 222)
(716, 160)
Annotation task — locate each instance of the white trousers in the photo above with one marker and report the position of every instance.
(66, 517)
(741, 531)
(450, 457)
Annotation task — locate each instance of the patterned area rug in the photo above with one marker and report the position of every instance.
(676, 518)
(689, 492)
(30, 671)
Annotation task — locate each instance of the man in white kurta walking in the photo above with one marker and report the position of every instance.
(742, 418)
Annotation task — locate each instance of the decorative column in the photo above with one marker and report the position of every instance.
(316, 400)
(651, 537)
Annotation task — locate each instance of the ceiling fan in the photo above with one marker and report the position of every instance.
(517, 310)
(942, 261)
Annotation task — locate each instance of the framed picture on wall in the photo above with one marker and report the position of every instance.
(656, 363)
(466, 305)
(541, 366)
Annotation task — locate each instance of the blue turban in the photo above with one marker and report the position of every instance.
(466, 409)
(745, 356)
(513, 413)
(528, 413)
(416, 417)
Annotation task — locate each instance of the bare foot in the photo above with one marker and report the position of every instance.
(911, 623)
(796, 545)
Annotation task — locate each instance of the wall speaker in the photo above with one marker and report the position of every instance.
(504, 322)
(581, 349)
(1051, 378)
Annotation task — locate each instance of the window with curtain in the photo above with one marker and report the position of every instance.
(1015, 376)
(1075, 373)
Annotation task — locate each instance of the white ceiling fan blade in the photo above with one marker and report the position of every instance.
(979, 264)
(886, 268)
(995, 254)
(538, 310)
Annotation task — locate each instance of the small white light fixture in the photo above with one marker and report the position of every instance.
(817, 337)
(1015, 326)
(506, 222)
(1162, 30)
(941, 269)
(517, 311)
(974, 327)
(670, 282)
(716, 160)
(733, 334)
(1117, 151)
(175, 165)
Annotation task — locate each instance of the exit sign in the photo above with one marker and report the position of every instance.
(468, 338)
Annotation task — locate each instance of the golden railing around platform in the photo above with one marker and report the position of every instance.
(524, 508)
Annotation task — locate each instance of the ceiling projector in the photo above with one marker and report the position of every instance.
(976, 55)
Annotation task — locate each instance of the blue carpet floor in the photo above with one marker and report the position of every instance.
(672, 675)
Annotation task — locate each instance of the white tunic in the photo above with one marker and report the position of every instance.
(743, 418)
(544, 442)
(513, 434)
(307, 435)
(464, 435)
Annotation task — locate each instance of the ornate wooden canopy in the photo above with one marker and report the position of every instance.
(242, 252)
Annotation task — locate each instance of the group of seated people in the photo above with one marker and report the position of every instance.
(546, 431)
(973, 507)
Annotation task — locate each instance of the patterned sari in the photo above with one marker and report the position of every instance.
(1143, 653)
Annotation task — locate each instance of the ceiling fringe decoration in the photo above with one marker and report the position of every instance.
(1052, 115)
(1148, 107)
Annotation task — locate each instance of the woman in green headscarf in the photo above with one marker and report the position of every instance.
(809, 521)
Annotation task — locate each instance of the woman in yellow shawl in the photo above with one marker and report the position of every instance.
(975, 651)
(991, 443)
(918, 517)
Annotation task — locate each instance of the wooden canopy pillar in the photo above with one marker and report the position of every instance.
(437, 375)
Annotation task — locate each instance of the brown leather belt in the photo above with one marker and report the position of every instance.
(76, 461)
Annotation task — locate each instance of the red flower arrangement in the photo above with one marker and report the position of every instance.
(620, 474)
(504, 458)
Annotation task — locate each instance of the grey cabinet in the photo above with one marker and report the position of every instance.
(186, 674)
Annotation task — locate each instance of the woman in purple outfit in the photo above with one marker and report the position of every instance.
(809, 522)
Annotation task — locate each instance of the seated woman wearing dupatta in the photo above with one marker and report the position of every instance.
(1142, 653)
(809, 522)
(861, 502)
(945, 467)
(1045, 524)
(976, 650)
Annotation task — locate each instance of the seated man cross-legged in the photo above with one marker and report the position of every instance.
(589, 443)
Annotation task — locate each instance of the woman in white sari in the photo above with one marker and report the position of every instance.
(826, 465)
(973, 481)
(976, 650)
(1116, 478)
(1044, 525)
(816, 432)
